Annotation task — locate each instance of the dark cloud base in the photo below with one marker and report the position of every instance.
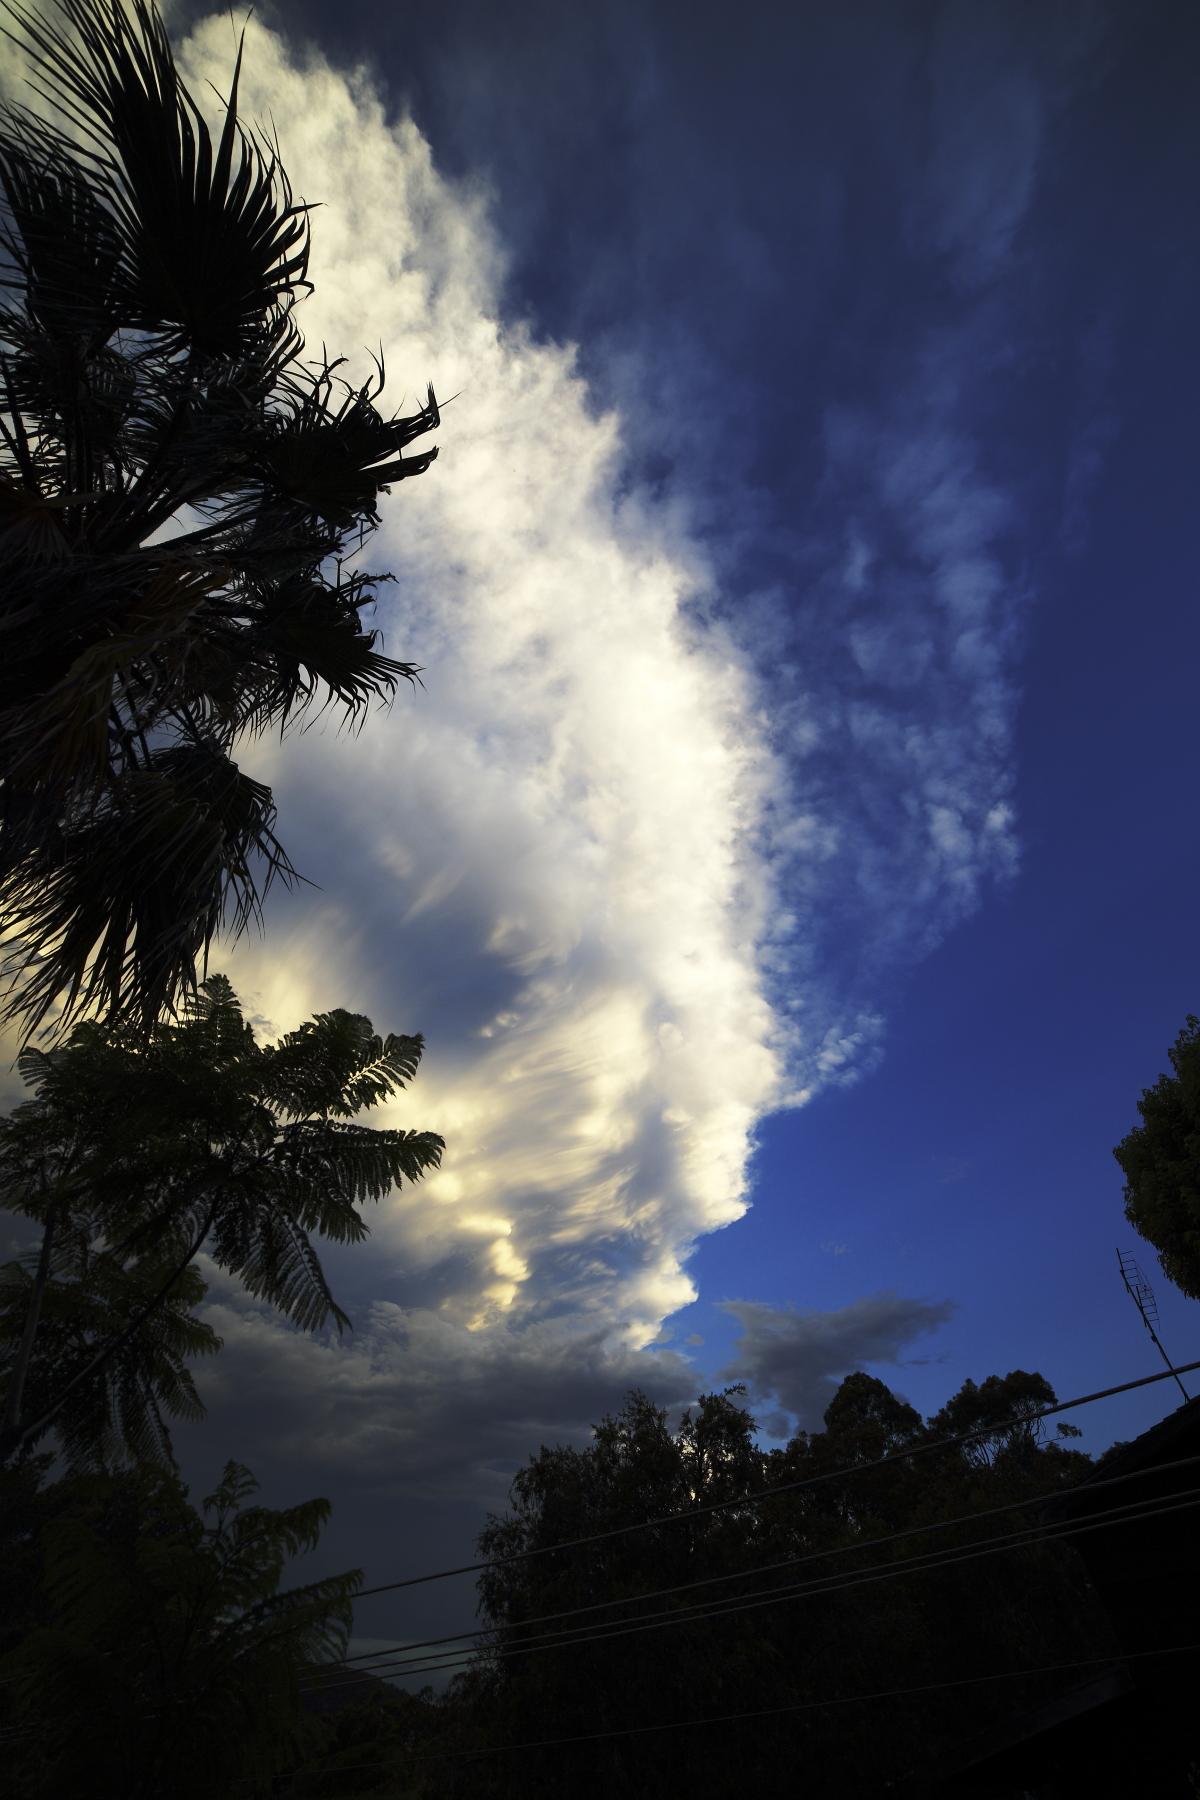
(793, 1361)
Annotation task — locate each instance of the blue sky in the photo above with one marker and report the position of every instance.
(791, 859)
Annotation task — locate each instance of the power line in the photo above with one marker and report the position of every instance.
(929, 1562)
(833, 1585)
(861, 1578)
(380, 1657)
(767, 1712)
(787, 1487)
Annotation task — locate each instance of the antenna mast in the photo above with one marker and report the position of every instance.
(1142, 1295)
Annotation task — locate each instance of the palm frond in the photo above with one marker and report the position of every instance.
(329, 460)
(61, 739)
(330, 1165)
(150, 1146)
(316, 651)
(123, 907)
(63, 245)
(149, 364)
(213, 246)
(276, 1262)
(174, 1654)
(118, 1411)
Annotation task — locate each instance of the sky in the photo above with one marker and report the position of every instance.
(790, 854)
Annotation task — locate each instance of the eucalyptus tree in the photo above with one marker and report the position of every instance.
(770, 1606)
(182, 495)
(142, 1149)
(1160, 1159)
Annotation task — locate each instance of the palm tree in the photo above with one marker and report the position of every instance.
(141, 1150)
(180, 491)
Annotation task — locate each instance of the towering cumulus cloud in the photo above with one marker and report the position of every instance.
(560, 858)
(544, 858)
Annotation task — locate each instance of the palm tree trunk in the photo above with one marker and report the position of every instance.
(33, 1313)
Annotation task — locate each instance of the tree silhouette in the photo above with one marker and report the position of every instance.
(179, 493)
(90, 1301)
(156, 1654)
(731, 1646)
(154, 1147)
(1160, 1159)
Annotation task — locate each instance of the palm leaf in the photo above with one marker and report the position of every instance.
(311, 641)
(213, 247)
(124, 907)
(329, 1162)
(152, 1145)
(329, 460)
(61, 738)
(63, 244)
(148, 363)
(276, 1262)
(89, 1302)
(174, 1660)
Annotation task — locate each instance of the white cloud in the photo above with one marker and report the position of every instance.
(546, 859)
(596, 858)
(893, 691)
(566, 859)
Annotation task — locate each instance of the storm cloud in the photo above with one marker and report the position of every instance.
(643, 852)
(794, 1361)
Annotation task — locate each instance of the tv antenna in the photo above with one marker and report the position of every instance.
(1142, 1295)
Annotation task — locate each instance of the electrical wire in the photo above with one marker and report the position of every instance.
(698, 1616)
(374, 1656)
(731, 1605)
(394, 1665)
(932, 1561)
(787, 1487)
(831, 1585)
(934, 1687)
(862, 1578)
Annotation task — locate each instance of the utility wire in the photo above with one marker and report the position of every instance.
(370, 1656)
(775, 1597)
(787, 1487)
(1115, 1661)
(930, 1561)
(861, 1578)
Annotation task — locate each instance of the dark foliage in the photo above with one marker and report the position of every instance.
(365, 1750)
(89, 1303)
(1024, 1609)
(145, 1647)
(179, 490)
(136, 1152)
(1160, 1159)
